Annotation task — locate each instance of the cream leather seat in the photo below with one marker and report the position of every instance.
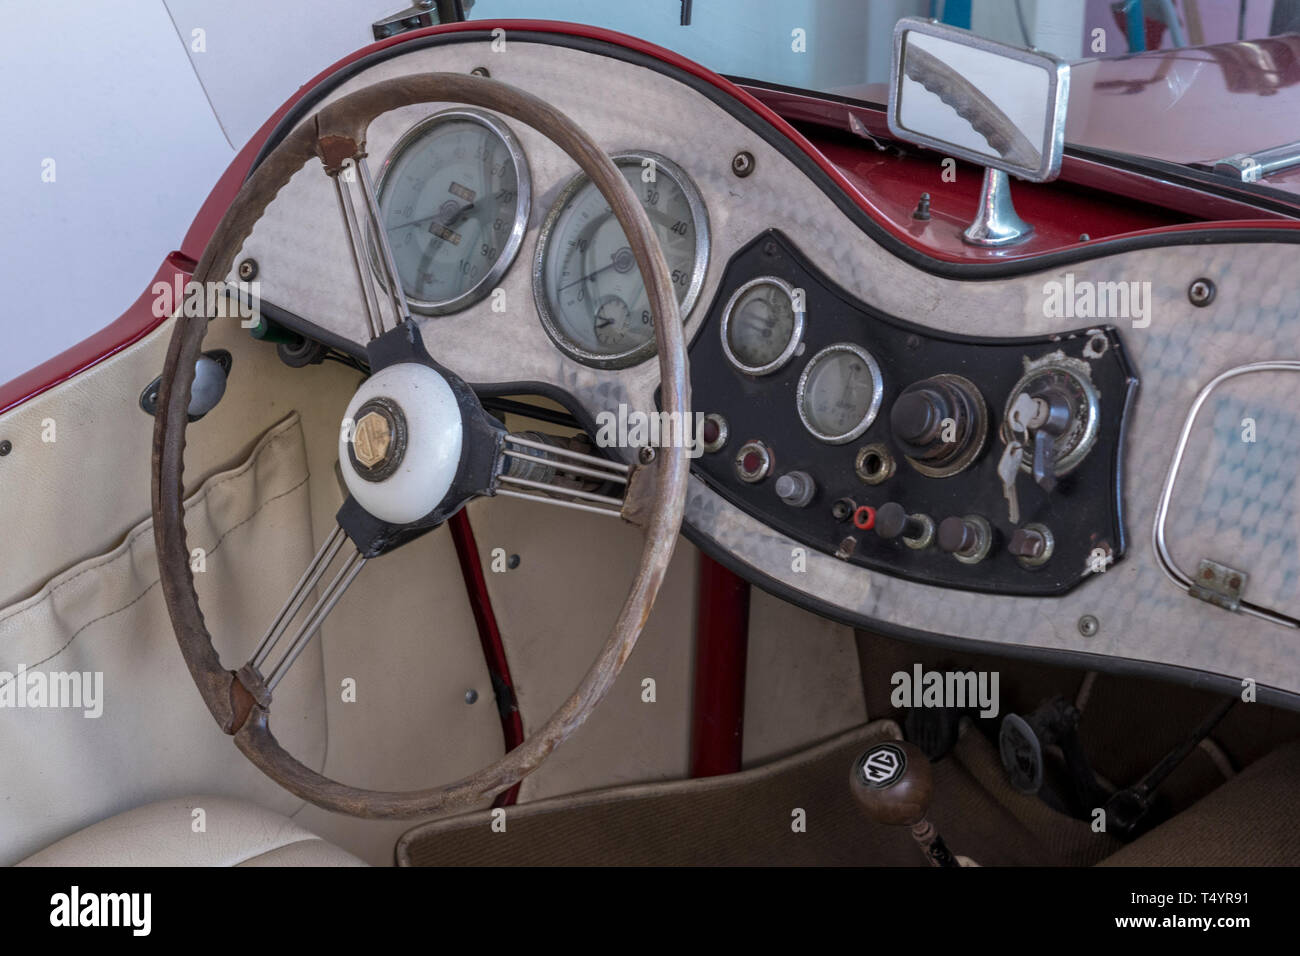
(235, 833)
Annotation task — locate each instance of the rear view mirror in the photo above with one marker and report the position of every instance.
(987, 102)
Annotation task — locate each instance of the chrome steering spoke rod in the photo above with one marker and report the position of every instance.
(541, 471)
(251, 673)
(356, 173)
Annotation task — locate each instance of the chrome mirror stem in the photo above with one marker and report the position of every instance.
(996, 223)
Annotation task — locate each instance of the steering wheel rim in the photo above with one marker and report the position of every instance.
(335, 135)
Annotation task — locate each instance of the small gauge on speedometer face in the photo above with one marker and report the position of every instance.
(762, 325)
(453, 197)
(839, 392)
(590, 296)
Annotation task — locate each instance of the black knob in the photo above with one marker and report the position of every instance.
(941, 423)
(892, 521)
(1027, 544)
(917, 416)
(958, 536)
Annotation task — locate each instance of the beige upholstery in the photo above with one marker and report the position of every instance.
(233, 833)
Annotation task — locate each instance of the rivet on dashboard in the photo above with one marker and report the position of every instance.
(1089, 625)
(248, 270)
(742, 164)
(1201, 292)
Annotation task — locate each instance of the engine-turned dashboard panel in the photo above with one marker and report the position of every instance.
(989, 464)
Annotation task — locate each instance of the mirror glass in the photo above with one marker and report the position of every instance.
(982, 101)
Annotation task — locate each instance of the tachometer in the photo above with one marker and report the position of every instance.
(453, 196)
(589, 292)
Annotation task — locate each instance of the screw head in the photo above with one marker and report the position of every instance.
(248, 269)
(742, 164)
(1201, 292)
(480, 71)
(6, 447)
(471, 696)
(1089, 625)
(512, 562)
(645, 455)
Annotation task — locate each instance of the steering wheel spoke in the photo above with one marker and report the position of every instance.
(539, 470)
(353, 176)
(251, 675)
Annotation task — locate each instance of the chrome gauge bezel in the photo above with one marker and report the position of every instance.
(796, 333)
(523, 205)
(700, 217)
(877, 392)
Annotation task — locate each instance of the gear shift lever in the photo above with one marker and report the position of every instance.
(893, 784)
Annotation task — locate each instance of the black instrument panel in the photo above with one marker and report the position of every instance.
(916, 492)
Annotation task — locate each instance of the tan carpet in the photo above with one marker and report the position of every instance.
(745, 820)
(1252, 818)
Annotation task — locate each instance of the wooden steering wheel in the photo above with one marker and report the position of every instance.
(417, 447)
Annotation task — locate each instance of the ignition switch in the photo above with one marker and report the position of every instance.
(1051, 422)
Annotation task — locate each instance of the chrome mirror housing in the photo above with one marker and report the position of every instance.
(990, 103)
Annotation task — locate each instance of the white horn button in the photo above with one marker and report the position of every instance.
(400, 446)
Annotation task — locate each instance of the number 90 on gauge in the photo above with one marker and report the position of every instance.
(454, 196)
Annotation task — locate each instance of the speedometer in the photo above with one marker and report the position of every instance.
(589, 291)
(453, 198)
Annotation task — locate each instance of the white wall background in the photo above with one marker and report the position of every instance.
(108, 92)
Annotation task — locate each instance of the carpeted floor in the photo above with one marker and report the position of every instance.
(746, 820)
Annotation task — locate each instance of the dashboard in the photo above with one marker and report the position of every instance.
(942, 453)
